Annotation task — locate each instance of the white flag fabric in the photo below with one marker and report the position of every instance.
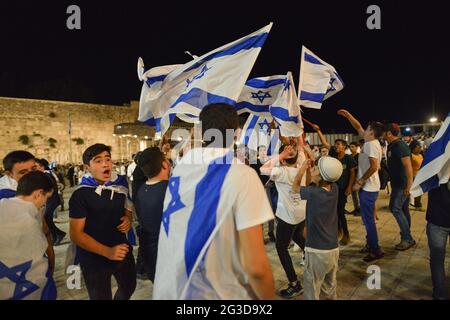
(24, 268)
(215, 77)
(435, 169)
(318, 80)
(210, 197)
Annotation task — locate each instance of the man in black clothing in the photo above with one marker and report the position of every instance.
(150, 204)
(100, 218)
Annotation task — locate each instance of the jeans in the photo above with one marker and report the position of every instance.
(342, 220)
(367, 202)
(437, 241)
(285, 233)
(399, 206)
(98, 279)
(149, 245)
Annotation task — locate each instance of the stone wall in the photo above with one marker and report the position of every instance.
(41, 120)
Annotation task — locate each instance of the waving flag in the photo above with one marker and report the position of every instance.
(435, 169)
(318, 80)
(281, 108)
(217, 76)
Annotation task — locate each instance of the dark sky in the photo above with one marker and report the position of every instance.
(390, 74)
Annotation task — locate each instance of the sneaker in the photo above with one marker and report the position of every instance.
(372, 256)
(345, 240)
(405, 245)
(292, 290)
(365, 249)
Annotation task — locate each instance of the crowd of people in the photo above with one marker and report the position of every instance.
(199, 224)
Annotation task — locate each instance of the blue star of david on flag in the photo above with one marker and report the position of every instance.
(17, 274)
(331, 86)
(263, 124)
(260, 95)
(175, 203)
(198, 76)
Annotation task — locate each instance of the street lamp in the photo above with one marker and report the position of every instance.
(433, 119)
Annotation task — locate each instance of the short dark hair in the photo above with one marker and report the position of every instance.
(323, 147)
(377, 128)
(95, 150)
(393, 128)
(16, 157)
(354, 143)
(150, 161)
(33, 181)
(44, 163)
(345, 143)
(219, 116)
(291, 160)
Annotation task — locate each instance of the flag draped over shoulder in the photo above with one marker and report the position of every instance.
(435, 169)
(215, 77)
(318, 80)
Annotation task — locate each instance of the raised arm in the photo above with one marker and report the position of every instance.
(353, 121)
(298, 178)
(266, 169)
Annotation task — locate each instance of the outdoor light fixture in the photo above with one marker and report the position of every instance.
(146, 137)
(433, 119)
(408, 129)
(135, 136)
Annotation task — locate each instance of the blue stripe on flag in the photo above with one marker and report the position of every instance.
(199, 98)
(203, 217)
(252, 107)
(437, 148)
(430, 183)
(273, 144)
(152, 80)
(249, 129)
(7, 193)
(282, 114)
(248, 43)
(311, 59)
(261, 84)
(315, 97)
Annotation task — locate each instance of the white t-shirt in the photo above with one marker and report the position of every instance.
(290, 208)
(371, 149)
(243, 204)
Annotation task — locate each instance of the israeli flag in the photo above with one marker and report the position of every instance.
(435, 169)
(215, 77)
(24, 268)
(281, 110)
(318, 80)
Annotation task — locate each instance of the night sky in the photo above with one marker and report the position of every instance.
(390, 74)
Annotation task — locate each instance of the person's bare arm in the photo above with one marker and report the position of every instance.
(406, 161)
(299, 177)
(374, 165)
(322, 138)
(266, 169)
(256, 263)
(86, 242)
(127, 221)
(353, 121)
(351, 181)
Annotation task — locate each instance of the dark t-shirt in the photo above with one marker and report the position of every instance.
(149, 207)
(438, 211)
(321, 217)
(395, 152)
(102, 218)
(348, 163)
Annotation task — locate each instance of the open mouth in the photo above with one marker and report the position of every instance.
(107, 172)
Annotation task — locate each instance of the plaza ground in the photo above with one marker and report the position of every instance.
(404, 275)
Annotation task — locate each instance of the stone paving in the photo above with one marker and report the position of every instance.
(404, 275)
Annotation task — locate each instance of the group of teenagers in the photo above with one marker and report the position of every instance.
(232, 264)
